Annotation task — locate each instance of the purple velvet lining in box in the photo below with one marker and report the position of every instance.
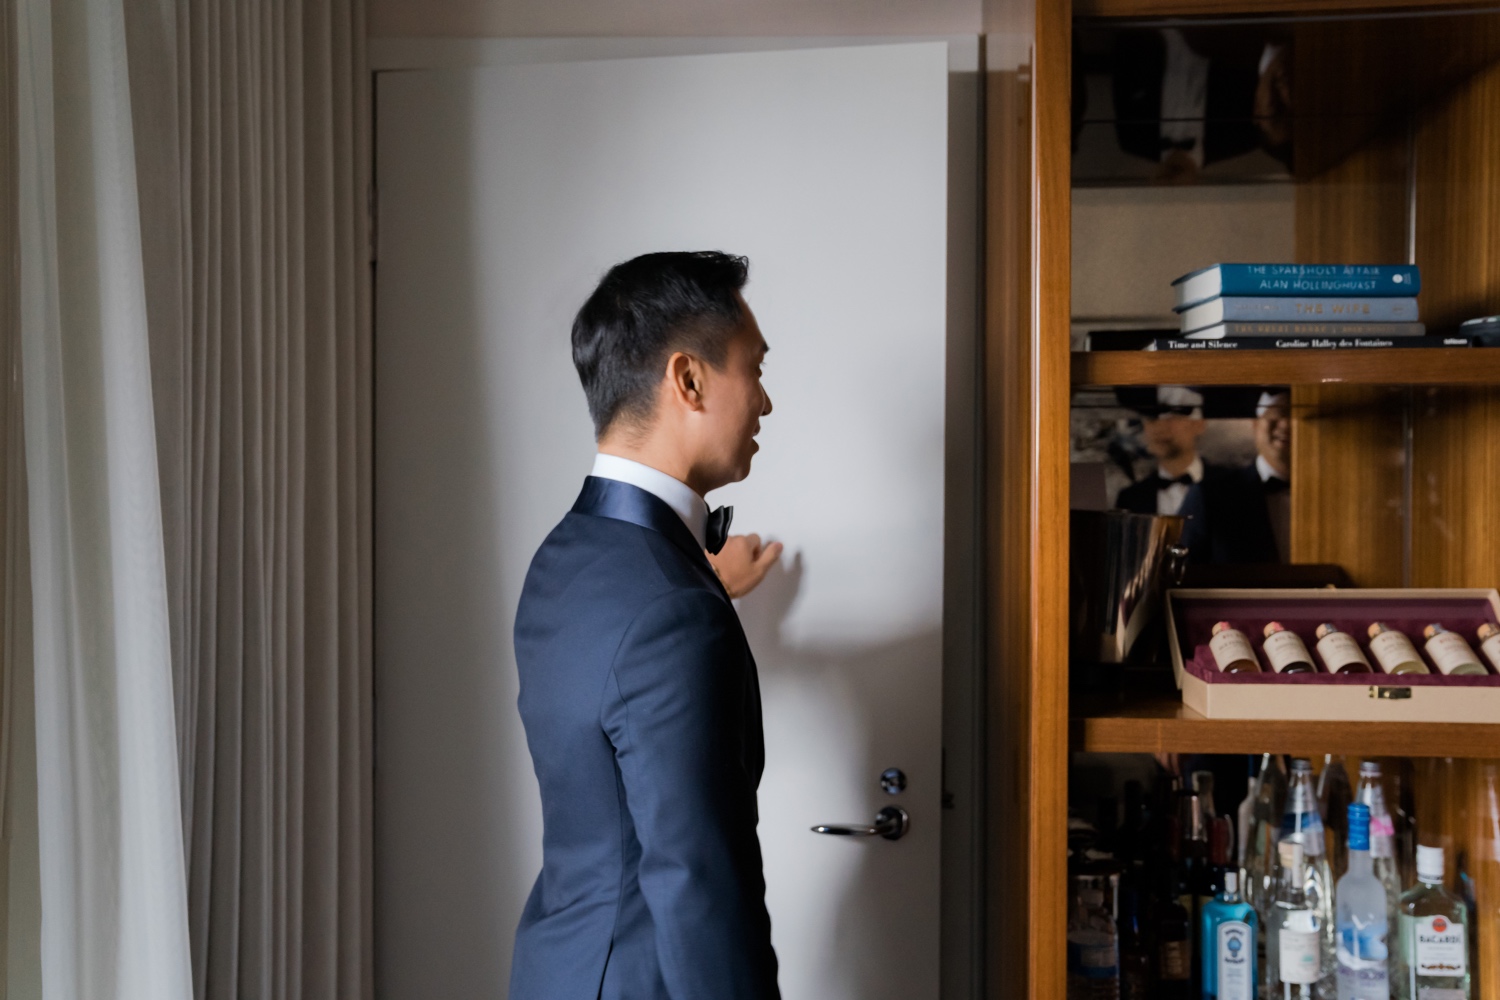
(1195, 617)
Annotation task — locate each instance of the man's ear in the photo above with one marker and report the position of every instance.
(685, 380)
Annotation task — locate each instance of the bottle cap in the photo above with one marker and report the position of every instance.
(1432, 630)
(1376, 628)
(1231, 883)
(1429, 863)
(1370, 768)
(1272, 628)
(1291, 854)
(1486, 630)
(1359, 826)
(1222, 627)
(1325, 629)
(1302, 764)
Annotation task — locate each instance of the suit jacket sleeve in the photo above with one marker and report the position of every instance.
(677, 721)
(1195, 533)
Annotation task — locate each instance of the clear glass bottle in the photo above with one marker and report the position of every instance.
(1093, 950)
(1340, 651)
(1232, 651)
(1489, 643)
(1371, 792)
(1432, 960)
(1451, 653)
(1362, 919)
(1334, 795)
(1294, 938)
(1394, 651)
(1228, 932)
(1244, 819)
(1285, 650)
(1265, 831)
(1302, 823)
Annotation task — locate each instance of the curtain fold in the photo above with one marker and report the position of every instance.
(112, 877)
(264, 362)
(194, 181)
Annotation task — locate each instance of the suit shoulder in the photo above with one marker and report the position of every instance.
(616, 560)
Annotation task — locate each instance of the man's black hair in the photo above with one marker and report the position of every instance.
(643, 311)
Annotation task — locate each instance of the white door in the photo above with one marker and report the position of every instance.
(504, 194)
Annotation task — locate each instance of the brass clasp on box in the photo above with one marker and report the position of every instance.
(1389, 693)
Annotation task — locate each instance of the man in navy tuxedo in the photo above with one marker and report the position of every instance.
(638, 690)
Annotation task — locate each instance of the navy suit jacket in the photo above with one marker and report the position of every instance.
(1228, 521)
(642, 712)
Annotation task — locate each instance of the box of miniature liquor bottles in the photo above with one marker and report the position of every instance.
(1387, 655)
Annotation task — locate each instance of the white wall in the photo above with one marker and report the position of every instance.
(603, 18)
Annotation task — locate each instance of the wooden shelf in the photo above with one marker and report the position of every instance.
(1375, 366)
(1161, 724)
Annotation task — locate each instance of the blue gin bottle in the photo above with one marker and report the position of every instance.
(1229, 930)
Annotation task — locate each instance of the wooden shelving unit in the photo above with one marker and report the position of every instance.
(1398, 158)
(1429, 366)
(1162, 724)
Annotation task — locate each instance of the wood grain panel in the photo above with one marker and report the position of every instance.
(1226, 8)
(1008, 478)
(1162, 724)
(1428, 366)
(1026, 419)
(1348, 442)
(1049, 581)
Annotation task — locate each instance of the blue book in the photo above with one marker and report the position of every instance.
(1299, 309)
(1374, 280)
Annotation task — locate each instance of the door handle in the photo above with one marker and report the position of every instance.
(890, 823)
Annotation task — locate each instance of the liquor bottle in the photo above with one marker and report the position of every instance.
(1232, 651)
(1285, 650)
(1220, 845)
(1334, 795)
(1432, 960)
(1489, 643)
(1135, 952)
(1302, 823)
(1265, 830)
(1172, 932)
(1194, 855)
(1403, 804)
(1363, 920)
(1394, 651)
(1228, 933)
(1093, 950)
(1294, 938)
(1340, 652)
(1244, 819)
(1382, 835)
(1450, 653)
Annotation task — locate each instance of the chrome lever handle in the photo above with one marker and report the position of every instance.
(890, 823)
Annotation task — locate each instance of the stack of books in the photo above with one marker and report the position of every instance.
(1260, 306)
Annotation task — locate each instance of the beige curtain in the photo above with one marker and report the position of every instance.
(254, 187)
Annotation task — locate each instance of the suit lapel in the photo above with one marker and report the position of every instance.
(623, 502)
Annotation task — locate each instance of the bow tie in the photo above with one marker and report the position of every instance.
(1276, 485)
(1163, 483)
(716, 532)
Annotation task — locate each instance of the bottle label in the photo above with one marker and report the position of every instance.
(1298, 949)
(1393, 650)
(1339, 650)
(1491, 648)
(1236, 961)
(1285, 648)
(1439, 947)
(1362, 962)
(1450, 652)
(1229, 647)
(1093, 954)
(1175, 964)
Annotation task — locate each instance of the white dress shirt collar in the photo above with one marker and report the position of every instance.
(676, 494)
(1194, 471)
(1266, 472)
